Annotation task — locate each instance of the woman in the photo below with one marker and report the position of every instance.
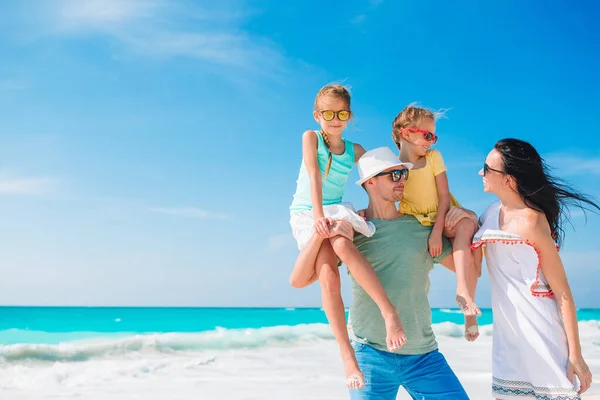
(536, 348)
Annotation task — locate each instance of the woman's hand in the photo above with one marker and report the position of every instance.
(577, 366)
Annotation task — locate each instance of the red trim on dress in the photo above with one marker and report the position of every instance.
(536, 283)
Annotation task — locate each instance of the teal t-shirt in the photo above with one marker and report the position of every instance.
(333, 184)
(400, 257)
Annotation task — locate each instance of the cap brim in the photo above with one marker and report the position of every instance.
(406, 165)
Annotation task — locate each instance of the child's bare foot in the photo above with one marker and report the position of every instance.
(354, 378)
(467, 305)
(395, 336)
(471, 328)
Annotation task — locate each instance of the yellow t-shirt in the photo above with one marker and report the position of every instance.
(420, 190)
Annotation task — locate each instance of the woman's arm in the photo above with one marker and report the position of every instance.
(535, 230)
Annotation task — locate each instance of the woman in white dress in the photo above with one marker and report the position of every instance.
(536, 348)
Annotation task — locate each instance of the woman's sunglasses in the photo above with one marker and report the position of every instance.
(342, 115)
(430, 137)
(396, 174)
(487, 168)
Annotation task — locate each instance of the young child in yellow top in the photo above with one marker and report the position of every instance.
(427, 197)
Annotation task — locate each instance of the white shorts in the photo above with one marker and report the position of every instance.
(303, 222)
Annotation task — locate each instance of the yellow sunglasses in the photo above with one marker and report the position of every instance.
(342, 115)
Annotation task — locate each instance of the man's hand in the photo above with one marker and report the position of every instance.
(362, 213)
(342, 228)
(455, 214)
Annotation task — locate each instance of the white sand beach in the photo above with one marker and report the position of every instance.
(304, 367)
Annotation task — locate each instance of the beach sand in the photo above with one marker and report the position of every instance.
(309, 368)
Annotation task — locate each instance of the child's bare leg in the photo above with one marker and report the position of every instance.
(464, 263)
(471, 325)
(304, 272)
(329, 277)
(367, 278)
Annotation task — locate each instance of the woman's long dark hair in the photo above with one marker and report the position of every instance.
(538, 189)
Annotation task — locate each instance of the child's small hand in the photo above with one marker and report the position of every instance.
(322, 226)
(435, 244)
(362, 213)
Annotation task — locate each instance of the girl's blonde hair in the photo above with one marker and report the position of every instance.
(342, 93)
(411, 117)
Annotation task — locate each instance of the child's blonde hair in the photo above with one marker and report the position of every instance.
(341, 92)
(411, 117)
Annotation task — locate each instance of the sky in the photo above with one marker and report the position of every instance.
(149, 149)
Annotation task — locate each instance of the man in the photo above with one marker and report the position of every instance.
(399, 255)
(398, 252)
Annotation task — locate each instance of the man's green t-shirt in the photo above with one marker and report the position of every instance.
(398, 252)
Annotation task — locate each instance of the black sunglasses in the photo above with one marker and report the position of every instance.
(487, 168)
(396, 174)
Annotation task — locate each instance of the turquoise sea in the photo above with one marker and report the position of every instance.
(52, 325)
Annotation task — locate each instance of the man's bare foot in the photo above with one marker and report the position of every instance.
(354, 378)
(471, 328)
(467, 305)
(395, 336)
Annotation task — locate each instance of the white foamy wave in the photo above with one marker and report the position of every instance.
(219, 339)
(450, 311)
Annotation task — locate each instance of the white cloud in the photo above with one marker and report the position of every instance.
(167, 29)
(574, 165)
(26, 186)
(281, 241)
(190, 212)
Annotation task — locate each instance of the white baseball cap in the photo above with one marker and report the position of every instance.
(377, 160)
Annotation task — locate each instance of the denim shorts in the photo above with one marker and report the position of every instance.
(424, 376)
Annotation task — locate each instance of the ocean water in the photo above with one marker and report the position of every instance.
(220, 353)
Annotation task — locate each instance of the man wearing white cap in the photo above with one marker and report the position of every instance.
(398, 252)
(399, 255)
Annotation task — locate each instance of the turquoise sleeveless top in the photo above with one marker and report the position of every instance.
(333, 185)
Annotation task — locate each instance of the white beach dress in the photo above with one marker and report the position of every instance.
(303, 222)
(530, 352)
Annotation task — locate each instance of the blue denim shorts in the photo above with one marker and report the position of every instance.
(424, 376)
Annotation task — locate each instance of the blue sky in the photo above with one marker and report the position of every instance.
(149, 150)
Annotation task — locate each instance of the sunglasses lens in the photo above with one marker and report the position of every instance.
(485, 169)
(343, 115)
(327, 115)
(435, 138)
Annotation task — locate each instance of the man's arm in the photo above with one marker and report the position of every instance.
(455, 214)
